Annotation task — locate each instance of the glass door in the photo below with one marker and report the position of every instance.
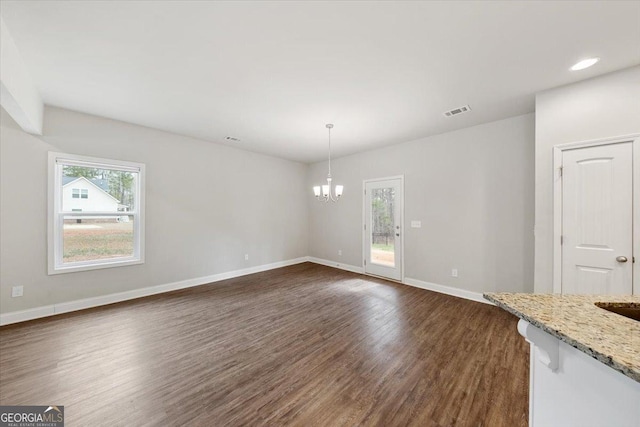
(383, 233)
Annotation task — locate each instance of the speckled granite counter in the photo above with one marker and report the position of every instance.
(575, 319)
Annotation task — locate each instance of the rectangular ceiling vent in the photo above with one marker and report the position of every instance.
(456, 111)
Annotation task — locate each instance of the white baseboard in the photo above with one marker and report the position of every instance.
(29, 314)
(335, 264)
(65, 307)
(456, 292)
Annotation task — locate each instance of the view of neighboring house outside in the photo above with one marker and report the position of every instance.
(80, 194)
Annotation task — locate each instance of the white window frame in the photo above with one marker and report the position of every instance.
(56, 214)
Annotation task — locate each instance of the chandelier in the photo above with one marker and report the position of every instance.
(324, 192)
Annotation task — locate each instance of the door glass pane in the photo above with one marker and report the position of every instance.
(382, 226)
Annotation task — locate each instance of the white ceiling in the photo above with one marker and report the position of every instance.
(273, 73)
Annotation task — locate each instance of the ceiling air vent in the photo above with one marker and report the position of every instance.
(456, 111)
(232, 139)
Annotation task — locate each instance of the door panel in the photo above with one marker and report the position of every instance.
(597, 220)
(594, 280)
(383, 221)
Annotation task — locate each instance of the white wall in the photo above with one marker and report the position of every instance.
(473, 191)
(601, 107)
(206, 206)
(19, 96)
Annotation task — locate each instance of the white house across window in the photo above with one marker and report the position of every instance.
(104, 230)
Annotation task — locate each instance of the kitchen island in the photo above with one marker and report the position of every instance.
(584, 359)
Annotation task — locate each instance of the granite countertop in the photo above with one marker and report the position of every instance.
(575, 319)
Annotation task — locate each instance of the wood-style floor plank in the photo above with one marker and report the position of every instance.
(302, 345)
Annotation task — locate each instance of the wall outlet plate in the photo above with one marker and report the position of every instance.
(17, 291)
(454, 272)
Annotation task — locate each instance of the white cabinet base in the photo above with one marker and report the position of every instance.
(569, 388)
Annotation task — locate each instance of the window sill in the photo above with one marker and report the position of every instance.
(122, 262)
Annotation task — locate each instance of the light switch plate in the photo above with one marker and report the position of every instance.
(17, 291)
(416, 224)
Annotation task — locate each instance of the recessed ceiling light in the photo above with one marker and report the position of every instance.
(585, 63)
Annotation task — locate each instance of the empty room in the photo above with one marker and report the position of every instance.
(320, 213)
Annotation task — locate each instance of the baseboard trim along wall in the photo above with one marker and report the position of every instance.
(448, 290)
(456, 292)
(66, 307)
(334, 264)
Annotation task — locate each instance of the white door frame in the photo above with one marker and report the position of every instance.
(557, 203)
(364, 221)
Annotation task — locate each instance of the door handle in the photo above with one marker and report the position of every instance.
(398, 234)
(621, 258)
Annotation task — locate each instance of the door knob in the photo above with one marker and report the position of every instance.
(398, 235)
(621, 259)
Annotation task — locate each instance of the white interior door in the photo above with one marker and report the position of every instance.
(383, 228)
(597, 220)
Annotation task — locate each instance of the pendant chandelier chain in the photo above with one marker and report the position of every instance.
(329, 127)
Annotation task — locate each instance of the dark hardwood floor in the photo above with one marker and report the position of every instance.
(303, 345)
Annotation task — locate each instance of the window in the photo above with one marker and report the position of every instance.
(105, 230)
(79, 193)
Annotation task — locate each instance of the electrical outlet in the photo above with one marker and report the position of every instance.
(339, 252)
(416, 224)
(454, 272)
(17, 291)
(246, 257)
